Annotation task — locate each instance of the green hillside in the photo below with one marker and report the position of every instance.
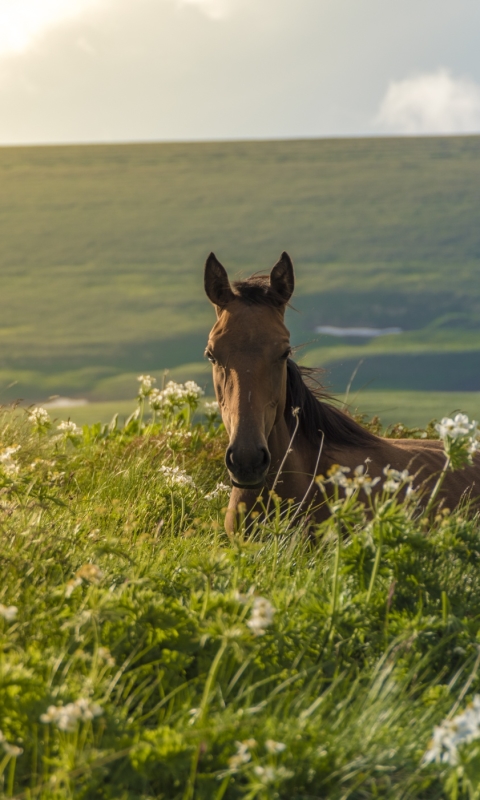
(102, 250)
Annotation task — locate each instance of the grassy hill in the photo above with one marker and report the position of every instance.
(102, 250)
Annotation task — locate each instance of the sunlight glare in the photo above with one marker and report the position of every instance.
(22, 20)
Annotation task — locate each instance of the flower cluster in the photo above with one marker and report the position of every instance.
(395, 479)
(68, 428)
(243, 755)
(460, 438)
(174, 396)
(220, 489)
(337, 476)
(66, 718)
(8, 612)
(175, 476)
(261, 616)
(7, 463)
(87, 572)
(146, 385)
(9, 749)
(452, 734)
(40, 418)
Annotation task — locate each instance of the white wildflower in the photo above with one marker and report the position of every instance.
(220, 488)
(192, 390)
(211, 406)
(395, 479)
(174, 396)
(175, 476)
(242, 756)
(7, 462)
(39, 417)
(8, 612)
(261, 616)
(90, 573)
(68, 428)
(459, 427)
(105, 655)
(275, 747)
(272, 774)
(452, 734)
(336, 475)
(146, 385)
(66, 718)
(10, 749)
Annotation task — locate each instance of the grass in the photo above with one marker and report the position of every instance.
(414, 408)
(103, 247)
(120, 589)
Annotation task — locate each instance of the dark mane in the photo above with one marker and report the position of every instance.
(317, 415)
(257, 290)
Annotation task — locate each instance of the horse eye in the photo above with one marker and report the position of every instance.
(210, 356)
(286, 354)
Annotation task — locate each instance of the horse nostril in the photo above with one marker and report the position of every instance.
(229, 457)
(265, 457)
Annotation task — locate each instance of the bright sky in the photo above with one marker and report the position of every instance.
(122, 70)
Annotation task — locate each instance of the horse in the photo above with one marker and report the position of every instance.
(283, 432)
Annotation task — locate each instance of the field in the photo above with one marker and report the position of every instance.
(103, 247)
(146, 655)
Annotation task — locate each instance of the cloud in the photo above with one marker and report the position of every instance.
(434, 102)
(21, 21)
(215, 9)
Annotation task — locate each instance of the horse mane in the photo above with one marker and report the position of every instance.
(317, 414)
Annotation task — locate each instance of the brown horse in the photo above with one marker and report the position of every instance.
(261, 391)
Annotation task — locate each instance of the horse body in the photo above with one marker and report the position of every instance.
(283, 433)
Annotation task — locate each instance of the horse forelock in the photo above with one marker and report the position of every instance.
(317, 415)
(257, 290)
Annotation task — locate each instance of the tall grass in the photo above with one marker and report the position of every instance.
(129, 669)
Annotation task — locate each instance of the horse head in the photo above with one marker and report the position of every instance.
(248, 347)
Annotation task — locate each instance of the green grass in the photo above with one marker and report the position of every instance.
(414, 408)
(103, 246)
(129, 596)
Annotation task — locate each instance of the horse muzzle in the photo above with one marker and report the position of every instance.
(247, 468)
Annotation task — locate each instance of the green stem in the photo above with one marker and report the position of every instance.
(212, 674)
(437, 486)
(173, 513)
(378, 556)
(336, 568)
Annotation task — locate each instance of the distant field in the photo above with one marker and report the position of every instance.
(102, 250)
(410, 408)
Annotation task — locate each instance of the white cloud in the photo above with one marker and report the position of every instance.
(23, 20)
(215, 9)
(434, 102)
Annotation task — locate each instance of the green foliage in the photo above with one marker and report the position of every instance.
(135, 666)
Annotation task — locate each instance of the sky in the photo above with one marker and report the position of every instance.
(143, 70)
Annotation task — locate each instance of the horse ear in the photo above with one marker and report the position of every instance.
(217, 285)
(282, 278)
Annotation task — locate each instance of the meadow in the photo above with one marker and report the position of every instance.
(146, 654)
(103, 248)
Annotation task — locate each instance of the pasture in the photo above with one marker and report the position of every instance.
(103, 247)
(146, 654)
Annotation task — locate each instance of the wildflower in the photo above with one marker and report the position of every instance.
(274, 747)
(220, 489)
(66, 718)
(452, 734)
(460, 438)
(261, 616)
(68, 428)
(457, 428)
(7, 462)
(105, 655)
(8, 612)
(361, 480)
(39, 417)
(336, 475)
(193, 391)
(242, 756)
(211, 406)
(272, 774)
(177, 477)
(90, 573)
(9, 749)
(146, 385)
(395, 479)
